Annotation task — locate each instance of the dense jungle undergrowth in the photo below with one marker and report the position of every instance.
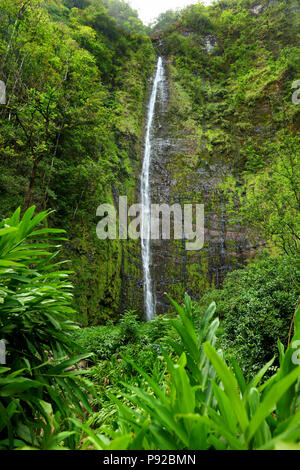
(83, 372)
(166, 384)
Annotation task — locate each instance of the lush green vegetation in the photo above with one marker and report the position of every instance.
(231, 67)
(37, 392)
(83, 370)
(70, 134)
(162, 386)
(256, 305)
(170, 389)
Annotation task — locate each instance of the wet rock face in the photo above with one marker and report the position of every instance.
(179, 176)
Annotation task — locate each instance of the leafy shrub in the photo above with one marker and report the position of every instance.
(257, 305)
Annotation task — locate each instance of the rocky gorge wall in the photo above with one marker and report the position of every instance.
(226, 95)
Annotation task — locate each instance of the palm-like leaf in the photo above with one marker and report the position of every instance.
(36, 322)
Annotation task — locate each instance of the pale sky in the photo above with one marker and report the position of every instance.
(150, 9)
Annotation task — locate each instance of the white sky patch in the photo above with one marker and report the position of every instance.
(150, 9)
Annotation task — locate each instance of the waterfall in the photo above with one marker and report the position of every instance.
(146, 197)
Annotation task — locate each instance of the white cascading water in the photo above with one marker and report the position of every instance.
(146, 197)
